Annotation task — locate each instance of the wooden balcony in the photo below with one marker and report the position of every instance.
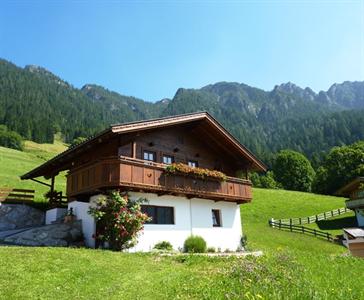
(138, 175)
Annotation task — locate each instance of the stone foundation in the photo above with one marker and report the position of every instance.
(15, 216)
(55, 235)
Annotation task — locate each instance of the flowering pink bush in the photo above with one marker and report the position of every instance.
(119, 220)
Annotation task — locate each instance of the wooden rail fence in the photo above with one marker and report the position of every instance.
(15, 196)
(58, 200)
(301, 229)
(23, 196)
(313, 219)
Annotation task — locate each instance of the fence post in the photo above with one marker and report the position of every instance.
(300, 221)
(332, 213)
(308, 220)
(324, 215)
(314, 231)
(271, 222)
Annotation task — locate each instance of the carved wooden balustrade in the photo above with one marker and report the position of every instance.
(131, 174)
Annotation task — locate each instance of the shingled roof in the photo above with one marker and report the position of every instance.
(64, 157)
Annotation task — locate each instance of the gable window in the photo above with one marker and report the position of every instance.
(149, 155)
(193, 163)
(167, 159)
(159, 214)
(216, 218)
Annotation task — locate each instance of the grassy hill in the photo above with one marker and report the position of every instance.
(293, 266)
(15, 163)
(279, 204)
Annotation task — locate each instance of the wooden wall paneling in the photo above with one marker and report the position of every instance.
(114, 172)
(137, 174)
(230, 189)
(125, 173)
(159, 178)
(148, 174)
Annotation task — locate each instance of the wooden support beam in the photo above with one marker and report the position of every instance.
(134, 149)
(52, 189)
(41, 182)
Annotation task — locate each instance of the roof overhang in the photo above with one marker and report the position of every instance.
(350, 187)
(63, 160)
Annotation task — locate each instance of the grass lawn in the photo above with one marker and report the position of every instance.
(15, 163)
(294, 266)
(44, 273)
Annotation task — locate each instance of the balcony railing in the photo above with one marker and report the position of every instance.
(138, 175)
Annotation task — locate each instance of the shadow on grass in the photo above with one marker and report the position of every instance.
(332, 224)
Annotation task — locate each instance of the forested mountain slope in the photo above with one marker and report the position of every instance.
(37, 103)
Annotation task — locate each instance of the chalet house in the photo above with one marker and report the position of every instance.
(132, 157)
(354, 237)
(355, 191)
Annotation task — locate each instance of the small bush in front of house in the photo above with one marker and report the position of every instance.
(164, 245)
(194, 244)
(119, 220)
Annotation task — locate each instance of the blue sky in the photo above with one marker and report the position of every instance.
(149, 49)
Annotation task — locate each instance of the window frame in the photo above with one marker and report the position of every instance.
(155, 221)
(191, 161)
(149, 152)
(169, 156)
(218, 217)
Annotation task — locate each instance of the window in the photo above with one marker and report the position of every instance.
(159, 214)
(193, 163)
(167, 159)
(216, 218)
(149, 155)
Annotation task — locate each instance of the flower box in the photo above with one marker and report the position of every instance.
(183, 169)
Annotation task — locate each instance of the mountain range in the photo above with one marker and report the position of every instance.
(36, 103)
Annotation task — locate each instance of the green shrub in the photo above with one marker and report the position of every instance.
(265, 181)
(293, 170)
(194, 244)
(77, 141)
(339, 167)
(211, 250)
(10, 139)
(164, 245)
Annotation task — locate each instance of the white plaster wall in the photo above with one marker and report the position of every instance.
(154, 233)
(192, 216)
(80, 210)
(55, 214)
(227, 236)
(360, 216)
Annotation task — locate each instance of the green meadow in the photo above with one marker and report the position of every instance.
(293, 266)
(14, 163)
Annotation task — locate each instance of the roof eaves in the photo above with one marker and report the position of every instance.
(343, 190)
(159, 122)
(64, 153)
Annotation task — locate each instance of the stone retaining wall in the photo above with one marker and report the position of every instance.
(55, 235)
(14, 216)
